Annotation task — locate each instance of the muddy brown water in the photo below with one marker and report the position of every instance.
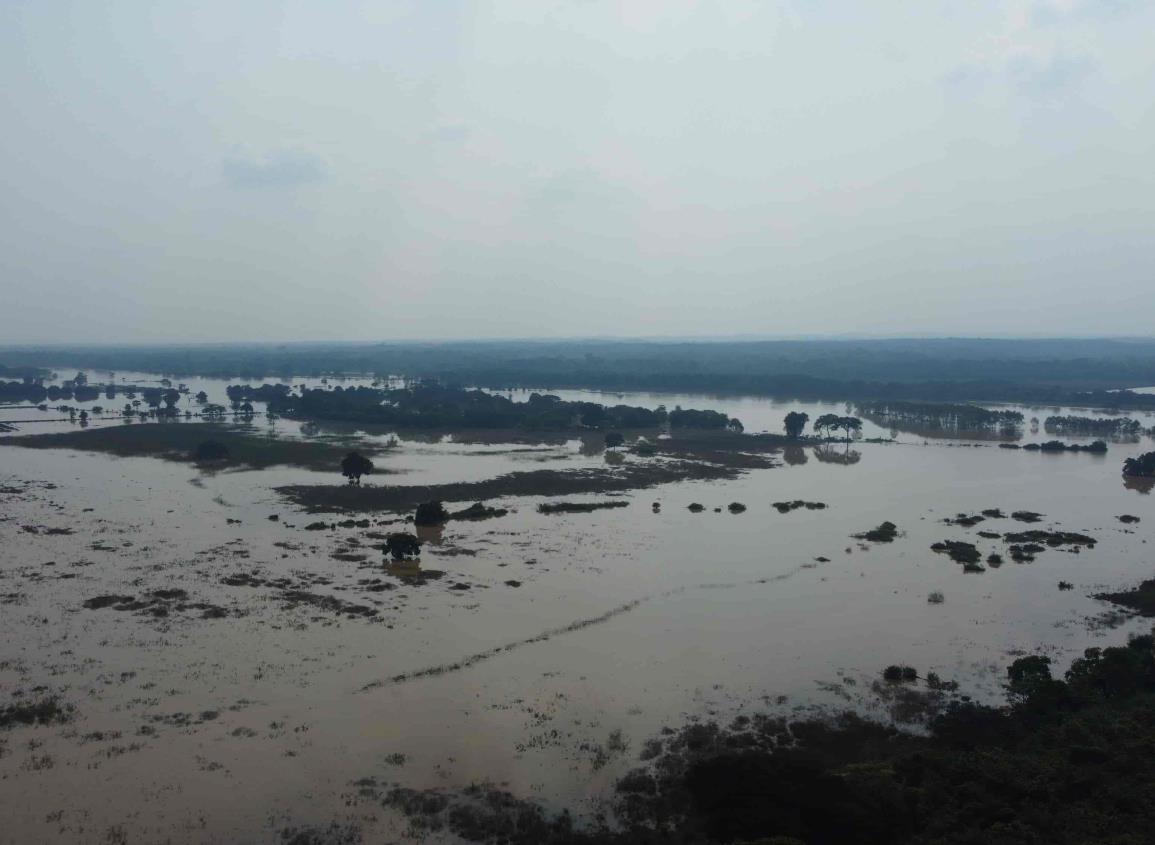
(263, 716)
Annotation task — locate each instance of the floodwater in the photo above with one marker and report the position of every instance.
(556, 646)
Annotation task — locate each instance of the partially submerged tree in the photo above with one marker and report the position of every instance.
(402, 545)
(614, 439)
(1143, 466)
(851, 425)
(430, 513)
(354, 465)
(795, 423)
(833, 422)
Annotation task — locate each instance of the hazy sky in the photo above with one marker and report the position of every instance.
(283, 169)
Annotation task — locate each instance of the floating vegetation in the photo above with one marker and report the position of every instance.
(884, 533)
(579, 507)
(958, 551)
(786, 507)
(1051, 538)
(965, 520)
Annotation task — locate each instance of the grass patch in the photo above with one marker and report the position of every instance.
(179, 441)
(46, 711)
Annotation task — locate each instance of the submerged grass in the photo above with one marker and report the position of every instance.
(1065, 762)
(177, 441)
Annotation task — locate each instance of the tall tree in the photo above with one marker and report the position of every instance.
(354, 465)
(795, 424)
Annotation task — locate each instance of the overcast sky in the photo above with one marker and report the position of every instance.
(272, 169)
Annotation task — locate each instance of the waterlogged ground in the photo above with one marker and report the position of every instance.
(227, 677)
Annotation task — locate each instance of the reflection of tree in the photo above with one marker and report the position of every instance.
(592, 444)
(1138, 483)
(795, 455)
(614, 458)
(431, 534)
(833, 453)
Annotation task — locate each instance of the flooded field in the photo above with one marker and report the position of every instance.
(229, 670)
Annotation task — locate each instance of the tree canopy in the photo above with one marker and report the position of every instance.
(354, 465)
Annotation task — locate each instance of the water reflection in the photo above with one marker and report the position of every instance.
(833, 453)
(592, 444)
(431, 534)
(794, 455)
(1139, 484)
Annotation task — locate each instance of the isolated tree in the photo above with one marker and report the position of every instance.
(202, 397)
(430, 513)
(1144, 465)
(354, 465)
(795, 423)
(614, 439)
(402, 546)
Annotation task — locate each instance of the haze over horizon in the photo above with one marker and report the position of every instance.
(436, 170)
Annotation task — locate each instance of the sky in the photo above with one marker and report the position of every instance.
(291, 170)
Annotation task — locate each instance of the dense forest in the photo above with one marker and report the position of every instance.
(938, 415)
(1117, 427)
(427, 405)
(1082, 372)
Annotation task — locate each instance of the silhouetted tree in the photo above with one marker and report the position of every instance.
(795, 423)
(402, 545)
(1142, 466)
(430, 513)
(849, 425)
(354, 465)
(825, 423)
(614, 439)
